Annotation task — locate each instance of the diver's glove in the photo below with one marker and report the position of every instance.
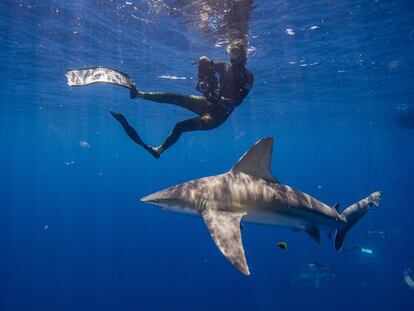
(226, 104)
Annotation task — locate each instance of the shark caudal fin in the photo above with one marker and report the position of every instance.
(353, 214)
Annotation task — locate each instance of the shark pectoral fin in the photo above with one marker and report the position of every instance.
(224, 228)
(256, 161)
(314, 233)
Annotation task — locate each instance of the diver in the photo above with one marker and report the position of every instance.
(223, 85)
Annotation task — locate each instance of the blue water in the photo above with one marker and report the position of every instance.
(73, 233)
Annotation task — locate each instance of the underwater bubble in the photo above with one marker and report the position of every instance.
(393, 64)
(172, 77)
(290, 32)
(84, 144)
(366, 250)
(314, 27)
(401, 106)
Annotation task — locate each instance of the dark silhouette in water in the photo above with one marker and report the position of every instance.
(223, 85)
(313, 274)
(406, 119)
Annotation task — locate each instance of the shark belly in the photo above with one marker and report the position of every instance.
(274, 219)
(289, 217)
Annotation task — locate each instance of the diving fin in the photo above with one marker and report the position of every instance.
(86, 76)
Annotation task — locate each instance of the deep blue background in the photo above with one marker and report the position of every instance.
(76, 237)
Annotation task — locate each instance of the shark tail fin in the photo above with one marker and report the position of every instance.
(353, 214)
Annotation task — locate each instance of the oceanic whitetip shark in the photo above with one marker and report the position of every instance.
(250, 191)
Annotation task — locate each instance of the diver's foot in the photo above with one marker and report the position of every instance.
(133, 93)
(154, 151)
(119, 117)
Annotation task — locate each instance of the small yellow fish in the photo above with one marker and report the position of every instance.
(282, 245)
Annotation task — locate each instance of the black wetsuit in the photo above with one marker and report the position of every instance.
(233, 84)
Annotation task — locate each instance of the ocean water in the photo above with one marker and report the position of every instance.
(333, 86)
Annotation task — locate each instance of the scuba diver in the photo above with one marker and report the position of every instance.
(223, 85)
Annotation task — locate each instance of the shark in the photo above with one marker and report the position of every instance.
(250, 193)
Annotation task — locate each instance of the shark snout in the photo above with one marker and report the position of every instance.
(158, 198)
(151, 198)
(165, 197)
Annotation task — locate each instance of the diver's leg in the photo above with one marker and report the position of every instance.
(205, 122)
(133, 134)
(197, 104)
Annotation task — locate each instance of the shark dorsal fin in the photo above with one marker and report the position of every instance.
(256, 161)
(224, 227)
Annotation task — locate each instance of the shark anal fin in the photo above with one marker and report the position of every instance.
(314, 233)
(331, 234)
(224, 228)
(256, 161)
